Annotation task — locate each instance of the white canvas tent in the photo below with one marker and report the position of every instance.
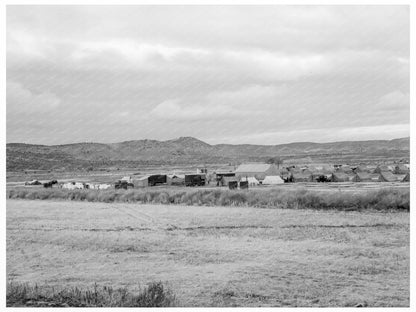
(272, 180)
(251, 180)
(127, 179)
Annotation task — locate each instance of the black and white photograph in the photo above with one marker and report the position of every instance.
(214, 156)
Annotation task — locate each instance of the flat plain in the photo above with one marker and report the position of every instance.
(214, 256)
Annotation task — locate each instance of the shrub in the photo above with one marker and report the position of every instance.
(154, 295)
(163, 198)
(385, 199)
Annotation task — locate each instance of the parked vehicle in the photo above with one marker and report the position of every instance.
(232, 185)
(195, 179)
(123, 185)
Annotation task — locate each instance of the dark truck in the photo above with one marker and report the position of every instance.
(157, 179)
(195, 179)
(122, 185)
(243, 185)
(233, 185)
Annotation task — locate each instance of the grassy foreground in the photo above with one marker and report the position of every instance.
(214, 256)
(384, 199)
(154, 295)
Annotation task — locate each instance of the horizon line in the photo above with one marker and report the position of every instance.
(184, 137)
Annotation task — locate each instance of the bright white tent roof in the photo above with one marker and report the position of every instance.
(273, 180)
(251, 180)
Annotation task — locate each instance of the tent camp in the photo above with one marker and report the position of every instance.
(383, 168)
(321, 176)
(345, 169)
(367, 177)
(387, 176)
(127, 179)
(104, 186)
(340, 176)
(73, 185)
(366, 168)
(257, 170)
(401, 169)
(285, 174)
(324, 168)
(301, 177)
(251, 180)
(272, 180)
(33, 182)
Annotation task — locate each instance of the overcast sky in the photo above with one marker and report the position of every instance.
(223, 74)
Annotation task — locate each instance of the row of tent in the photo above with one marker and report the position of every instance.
(393, 168)
(81, 185)
(252, 181)
(339, 176)
(71, 185)
(384, 176)
(321, 173)
(198, 179)
(332, 177)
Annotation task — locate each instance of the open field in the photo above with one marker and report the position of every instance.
(214, 256)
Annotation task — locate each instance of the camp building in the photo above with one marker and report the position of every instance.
(257, 170)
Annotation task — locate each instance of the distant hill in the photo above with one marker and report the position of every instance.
(188, 150)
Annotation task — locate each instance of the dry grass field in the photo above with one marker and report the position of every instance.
(214, 256)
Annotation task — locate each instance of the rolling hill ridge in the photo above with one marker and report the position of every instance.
(189, 150)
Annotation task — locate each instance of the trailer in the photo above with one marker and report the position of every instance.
(233, 185)
(243, 185)
(195, 179)
(157, 179)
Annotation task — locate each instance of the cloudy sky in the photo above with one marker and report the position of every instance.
(223, 74)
